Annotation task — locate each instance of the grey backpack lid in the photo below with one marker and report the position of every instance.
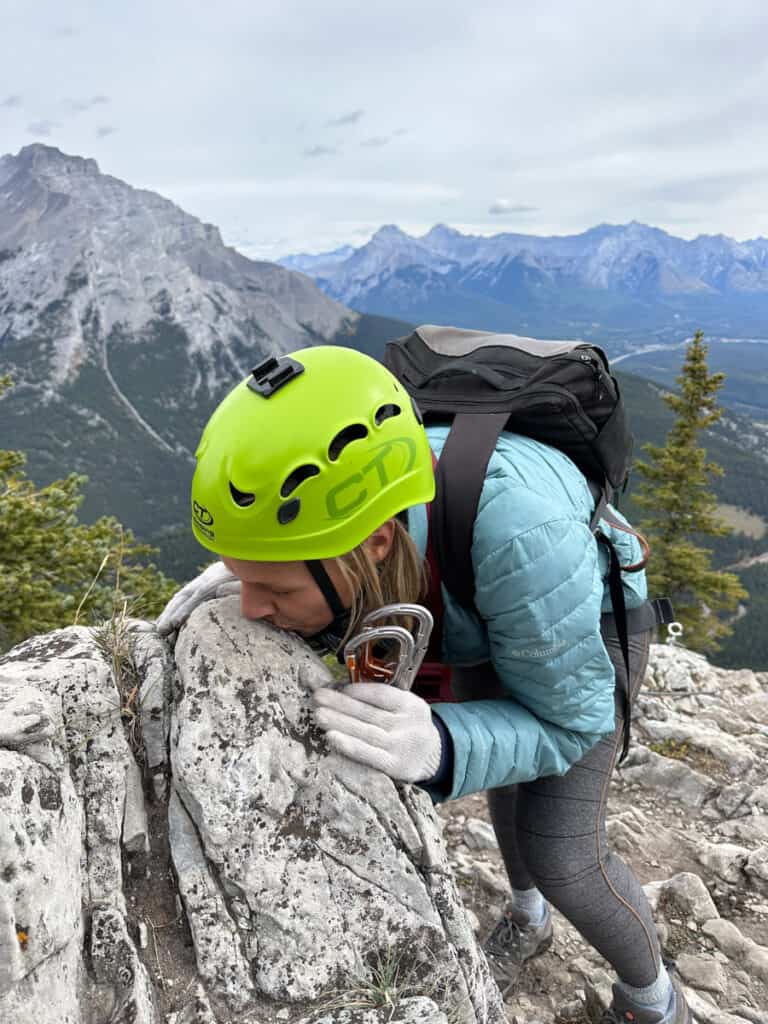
(456, 341)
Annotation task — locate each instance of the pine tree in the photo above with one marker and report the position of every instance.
(55, 570)
(682, 509)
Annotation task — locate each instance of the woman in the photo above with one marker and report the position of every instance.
(311, 485)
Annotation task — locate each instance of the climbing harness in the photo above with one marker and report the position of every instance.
(389, 653)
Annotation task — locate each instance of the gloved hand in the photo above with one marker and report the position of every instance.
(216, 581)
(378, 725)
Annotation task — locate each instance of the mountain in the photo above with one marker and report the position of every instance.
(88, 252)
(123, 321)
(620, 285)
(305, 261)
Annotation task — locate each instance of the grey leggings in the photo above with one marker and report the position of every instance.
(551, 833)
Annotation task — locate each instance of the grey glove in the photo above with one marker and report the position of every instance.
(381, 726)
(216, 581)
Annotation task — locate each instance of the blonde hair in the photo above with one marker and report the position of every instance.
(400, 577)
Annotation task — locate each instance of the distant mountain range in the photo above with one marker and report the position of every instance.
(123, 321)
(624, 286)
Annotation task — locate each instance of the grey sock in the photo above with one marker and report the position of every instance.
(532, 903)
(655, 996)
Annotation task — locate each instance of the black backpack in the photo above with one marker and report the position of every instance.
(558, 392)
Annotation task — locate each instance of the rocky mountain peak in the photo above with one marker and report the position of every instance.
(102, 253)
(48, 161)
(440, 233)
(389, 234)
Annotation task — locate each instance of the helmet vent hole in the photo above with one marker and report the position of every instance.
(298, 476)
(288, 512)
(241, 498)
(386, 412)
(355, 432)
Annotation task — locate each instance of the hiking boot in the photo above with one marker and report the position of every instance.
(513, 941)
(622, 1011)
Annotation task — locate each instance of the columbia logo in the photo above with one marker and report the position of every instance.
(540, 652)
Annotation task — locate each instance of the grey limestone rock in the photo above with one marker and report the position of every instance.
(304, 845)
(296, 873)
(726, 860)
(687, 894)
(123, 988)
(295, 867)
(738, 947)
(757, 867)
(675, 779)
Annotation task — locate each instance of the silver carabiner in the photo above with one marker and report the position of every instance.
(420, 634)
(364, 667)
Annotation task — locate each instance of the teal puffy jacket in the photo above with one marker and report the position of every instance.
(541, 586)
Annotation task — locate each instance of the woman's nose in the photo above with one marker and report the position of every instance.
(254, 603)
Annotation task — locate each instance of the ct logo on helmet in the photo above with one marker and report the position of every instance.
(203, 518)
(391, 461)
(201, 514)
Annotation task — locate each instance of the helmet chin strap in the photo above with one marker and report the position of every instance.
(323, 580)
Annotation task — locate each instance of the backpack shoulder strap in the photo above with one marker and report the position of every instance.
(616, 588)
(433, 680)
(434, 595)
(459, 480)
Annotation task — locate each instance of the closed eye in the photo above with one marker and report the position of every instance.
(272, 591)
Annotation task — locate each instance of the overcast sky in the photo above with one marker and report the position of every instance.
(301, 125)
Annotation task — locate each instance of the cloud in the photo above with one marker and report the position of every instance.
(366, 189)
(42, 128)
(502, 206)
(351, 118)
(104, 130)
(615, 124)
(707, 188)
(79, 106)
(11, 101)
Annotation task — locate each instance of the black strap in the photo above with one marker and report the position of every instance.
(459, 481)
(323, 580)
(645, 617)
(601, 503)
(616, 589)
(434, 597)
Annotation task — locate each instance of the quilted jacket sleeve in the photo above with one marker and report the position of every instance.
(539, 593)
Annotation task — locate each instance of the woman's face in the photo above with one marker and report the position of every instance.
(285, 594)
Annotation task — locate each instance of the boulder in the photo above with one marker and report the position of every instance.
(298, 872)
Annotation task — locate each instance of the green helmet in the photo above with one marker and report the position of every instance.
(307, 456)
